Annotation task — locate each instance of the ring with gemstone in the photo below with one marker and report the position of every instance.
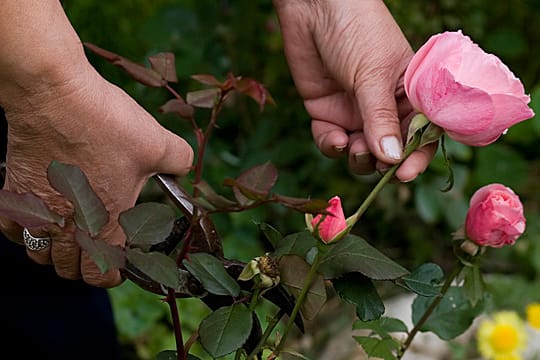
(35, 243)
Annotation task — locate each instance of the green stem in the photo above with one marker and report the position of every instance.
(269, 329)
(299, 301)
(254, 299)
(409, 149)
(431, 307)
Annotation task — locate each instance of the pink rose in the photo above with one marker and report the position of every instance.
(333, 223)
(495, 217)
(472, 95)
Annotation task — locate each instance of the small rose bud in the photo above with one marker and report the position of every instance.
(495, 217)
(331, 226)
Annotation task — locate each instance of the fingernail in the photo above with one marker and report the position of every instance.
(340, 148)
(362, 158)
(391, 147)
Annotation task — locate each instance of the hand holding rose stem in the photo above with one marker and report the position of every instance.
(442, 81)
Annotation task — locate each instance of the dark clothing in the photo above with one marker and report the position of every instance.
(46, 317)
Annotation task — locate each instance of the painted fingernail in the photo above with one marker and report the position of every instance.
(391, 147)
(362, 158)
(340, 148)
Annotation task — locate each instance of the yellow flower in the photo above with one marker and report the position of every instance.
(502, 337)
(533, 315)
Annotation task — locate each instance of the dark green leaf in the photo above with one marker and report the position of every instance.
(271, 233)
(295, 244)
(451, 317)
(354, 254)
(147, 223)
(425, 280)
(90, 213)
(293, 271)
(27, 210)
(157, 266)
(163, 63)
(105, 255)
(378, 348)
(203, 98)
(359, 290)
(225, 330)
(473, 284)
(448, 165)
(210, 272)
(383, 326)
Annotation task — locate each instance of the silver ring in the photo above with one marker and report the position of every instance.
(35, 243)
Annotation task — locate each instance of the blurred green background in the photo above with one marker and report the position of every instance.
(411, 222)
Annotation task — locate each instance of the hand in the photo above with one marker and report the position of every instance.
(347, 59)
(92, 124)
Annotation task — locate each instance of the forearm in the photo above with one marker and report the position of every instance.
(39, 48)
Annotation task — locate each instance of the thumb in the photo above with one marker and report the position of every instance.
(382, 130)
(177, 157)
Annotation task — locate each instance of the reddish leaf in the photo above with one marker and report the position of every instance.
(260, 178)
(203, 98)
(212, 196)
(144, 75)
(254, 90)
(179, 107)
(207, 79)
(243, 194)
(163, 64)
(105, 255)
(90, 212)
(311, 206)
(254, 183)
(27, 210)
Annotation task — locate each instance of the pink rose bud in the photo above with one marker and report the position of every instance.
(333, 223)
(471, 94)
(495, 217)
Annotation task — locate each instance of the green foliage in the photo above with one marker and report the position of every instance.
(211, 273)
(294, 271)
(360, 291)
(147, 223)
(451, 317)
(425, 280)
(354, 254)
(226, 329)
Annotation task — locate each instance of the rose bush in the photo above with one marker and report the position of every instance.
(495, 217)
(471, 94)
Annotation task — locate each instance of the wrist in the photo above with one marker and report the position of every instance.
(40, 49)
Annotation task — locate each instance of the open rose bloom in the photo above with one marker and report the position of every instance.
(472, 95)
(495, 217)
